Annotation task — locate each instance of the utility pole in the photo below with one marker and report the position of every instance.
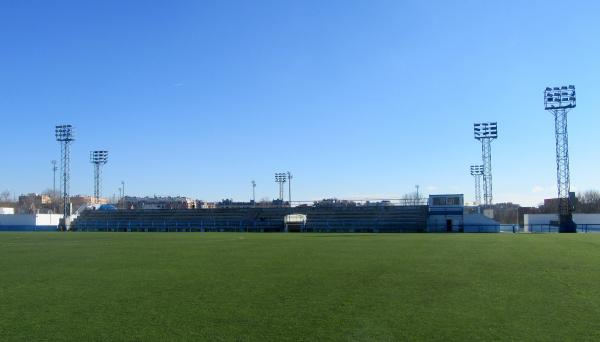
(289, 175)
(54, 197)
(123, 195)
(54, 169)
(418, 198)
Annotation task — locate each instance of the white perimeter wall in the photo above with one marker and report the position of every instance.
(30, 220)
(529, 219)
(586, 218)
(7, 211)
(17, 220)
(539, 219)
(47, 219)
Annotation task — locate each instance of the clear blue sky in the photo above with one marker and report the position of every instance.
(356, 98)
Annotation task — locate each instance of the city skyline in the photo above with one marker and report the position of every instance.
(356, 100)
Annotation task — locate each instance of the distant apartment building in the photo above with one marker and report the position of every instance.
(228, 203)
(205, 205)
(32, 202)
(154, 203)
(551, 204)
(80, 200)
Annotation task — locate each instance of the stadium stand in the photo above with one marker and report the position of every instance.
(319, 219)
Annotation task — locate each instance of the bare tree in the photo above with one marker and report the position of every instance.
(53, 194)
(54, 198)
(588, 201)
(412, 198)
(5, 196)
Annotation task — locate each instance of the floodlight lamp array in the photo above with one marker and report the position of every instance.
(280, 177)
(476, 170)
(485, 130)
(64, 133)
(560, 97)
(99, 157)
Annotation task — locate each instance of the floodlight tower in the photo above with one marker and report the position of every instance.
(477, 172)
(559, 101)
(486, 132)
(254, 192)
(98, 158)
(289, 176)
(281, 179)
(64, 135)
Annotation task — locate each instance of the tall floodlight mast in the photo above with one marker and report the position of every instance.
(280, 178)
(64, 135)
(477, 172)
(98, 158)
(486, 132)
(254, 192)
(559, 101)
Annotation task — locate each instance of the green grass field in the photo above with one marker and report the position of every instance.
(311, 287)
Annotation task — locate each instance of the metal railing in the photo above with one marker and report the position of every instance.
(350, 225)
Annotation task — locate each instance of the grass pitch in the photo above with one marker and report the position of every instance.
(311, 287)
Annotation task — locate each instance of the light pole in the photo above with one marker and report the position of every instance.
(486, 132)
(123, 194)
(418, 198)
(281, 179)
(289, 176)
(254, 193)
(477, 172)
(559, 101)
(98, 158)
(64, 135)
(54, 169)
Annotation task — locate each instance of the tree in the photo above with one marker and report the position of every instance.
(411, 198)
(588, 201)
(5, 196)
(54, 198)
(52, 194)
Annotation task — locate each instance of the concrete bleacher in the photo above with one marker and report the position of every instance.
(319, 219)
